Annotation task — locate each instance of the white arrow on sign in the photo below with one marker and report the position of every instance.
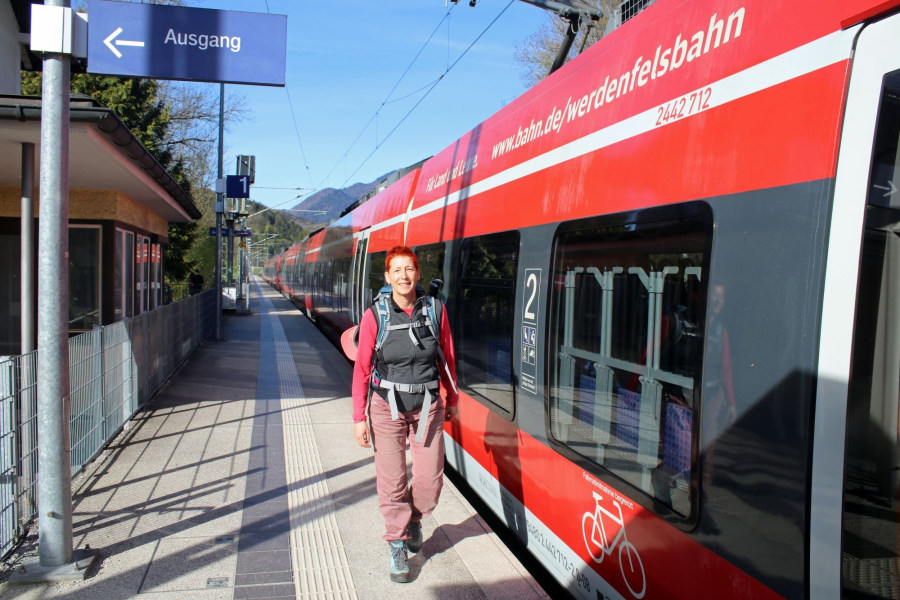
(109, 42)
(890, 190)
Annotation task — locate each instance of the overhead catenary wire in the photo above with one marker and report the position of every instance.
(299, 141)
(287, 92)
(425, 95)
(387, 98)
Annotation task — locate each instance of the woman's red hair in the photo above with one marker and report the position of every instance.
(400, 251)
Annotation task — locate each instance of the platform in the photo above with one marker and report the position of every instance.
(242, 480)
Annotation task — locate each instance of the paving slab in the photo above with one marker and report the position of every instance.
(241, 479)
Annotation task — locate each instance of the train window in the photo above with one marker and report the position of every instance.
(625, 333)
(871, 534)
(341, 286)
(376, 276)
(319, 285)
(330, 285)
(484, 326)
(307, 273)
(431, 264)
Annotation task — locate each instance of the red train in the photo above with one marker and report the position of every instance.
(672, 272)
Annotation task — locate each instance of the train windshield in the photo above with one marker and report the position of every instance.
(626, 328)
(871, 535)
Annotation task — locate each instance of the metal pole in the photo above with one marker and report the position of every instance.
(220, 208)
(29, 331)
(28, 401)
(241, 255)
(55, 478)
(230, 276)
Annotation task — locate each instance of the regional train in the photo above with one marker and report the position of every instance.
(672, 270)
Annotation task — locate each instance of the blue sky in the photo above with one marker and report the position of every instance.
(343, 59)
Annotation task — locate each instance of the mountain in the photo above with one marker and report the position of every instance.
(332, 201)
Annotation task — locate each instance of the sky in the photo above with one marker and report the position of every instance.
(340, 119)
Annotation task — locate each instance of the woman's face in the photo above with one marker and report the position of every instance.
(402, 275)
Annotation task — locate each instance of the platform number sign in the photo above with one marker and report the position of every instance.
(237, 186)
(530, 312)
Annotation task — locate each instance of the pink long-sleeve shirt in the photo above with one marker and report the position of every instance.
(362, 370)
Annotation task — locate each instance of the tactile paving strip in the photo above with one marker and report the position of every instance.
(320, 564)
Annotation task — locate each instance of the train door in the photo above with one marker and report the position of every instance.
(359, 297)
(855, 497)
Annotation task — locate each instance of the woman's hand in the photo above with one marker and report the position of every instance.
(450, 412)
(361, 432)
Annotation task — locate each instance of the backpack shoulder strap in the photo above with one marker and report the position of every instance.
(434, 309)
(382, 311)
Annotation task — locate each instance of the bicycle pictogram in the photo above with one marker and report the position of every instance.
(599, 545)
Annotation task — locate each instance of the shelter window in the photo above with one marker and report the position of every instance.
(84, 277)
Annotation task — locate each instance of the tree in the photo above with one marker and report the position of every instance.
(194, 127)
(135, 101)
(178, 124)
(536, 53)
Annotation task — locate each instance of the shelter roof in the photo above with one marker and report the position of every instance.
(103, 154)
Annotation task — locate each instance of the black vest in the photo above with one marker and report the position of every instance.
(405, 358)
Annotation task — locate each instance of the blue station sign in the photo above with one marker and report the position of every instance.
(226, 232)
(193, 44)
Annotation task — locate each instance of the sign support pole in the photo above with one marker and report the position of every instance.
(56, 561)
(220, 208)
(55, 479)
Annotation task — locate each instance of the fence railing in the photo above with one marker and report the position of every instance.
(113, 371)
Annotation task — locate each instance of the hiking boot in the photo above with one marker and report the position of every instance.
(399, 562)
(414, 543)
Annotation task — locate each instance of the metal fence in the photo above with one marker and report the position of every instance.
(627, 9)
(113, 371)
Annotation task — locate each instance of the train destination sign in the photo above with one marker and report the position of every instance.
(192, 44)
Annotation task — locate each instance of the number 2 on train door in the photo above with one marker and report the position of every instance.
(529, 329)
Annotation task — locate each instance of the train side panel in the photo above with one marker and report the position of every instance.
(753, 150)
(634, 256)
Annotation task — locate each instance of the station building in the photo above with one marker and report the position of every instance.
(121, 201)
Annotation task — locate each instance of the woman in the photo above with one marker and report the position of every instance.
(403, 376)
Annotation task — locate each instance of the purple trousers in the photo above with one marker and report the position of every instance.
(400, 499)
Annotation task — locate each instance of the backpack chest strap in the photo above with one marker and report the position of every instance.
(410, 327)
